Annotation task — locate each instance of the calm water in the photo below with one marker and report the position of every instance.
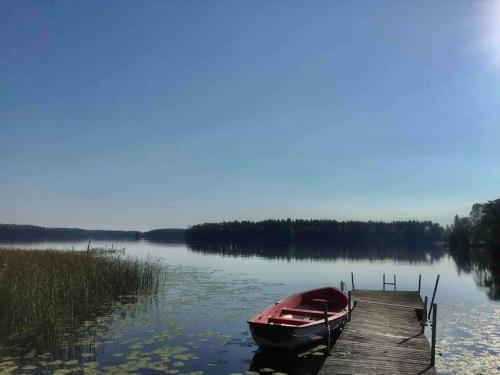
(197, 325)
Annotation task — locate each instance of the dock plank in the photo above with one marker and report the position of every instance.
(383, 337)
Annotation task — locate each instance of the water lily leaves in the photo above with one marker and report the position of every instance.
(62, 371)
(8, 370)
(8, 367)
(30, 355)
(29, 367)
(185, 356)
(56, 362)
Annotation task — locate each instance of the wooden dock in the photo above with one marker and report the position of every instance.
(384, 336)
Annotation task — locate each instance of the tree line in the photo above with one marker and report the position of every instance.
(15, 232)
(349, 233)
(480, 229)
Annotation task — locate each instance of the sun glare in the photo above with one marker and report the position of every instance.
(491, 38)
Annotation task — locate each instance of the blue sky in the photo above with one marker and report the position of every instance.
(140, 115)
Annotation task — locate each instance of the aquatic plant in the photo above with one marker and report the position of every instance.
(46, 295)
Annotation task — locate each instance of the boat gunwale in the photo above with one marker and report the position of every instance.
(335, 316)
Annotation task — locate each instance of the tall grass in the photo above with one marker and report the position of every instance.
(46, 295)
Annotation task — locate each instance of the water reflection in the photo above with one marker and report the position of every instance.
(484, 265)
(304, 361)
(272, 362)
(415, 254)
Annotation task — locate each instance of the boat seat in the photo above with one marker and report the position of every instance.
(321, 301)
(289, 321)
(313, 313)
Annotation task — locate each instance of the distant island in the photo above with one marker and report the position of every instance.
(15, 232)
(332, 232)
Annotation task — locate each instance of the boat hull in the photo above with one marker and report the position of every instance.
(300, 320)
(282, 337)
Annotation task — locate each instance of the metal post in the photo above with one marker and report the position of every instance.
(349, 295)
(394, 282)
(383, 282)
(352, 280)
(419, 282)
(434, 323)
(424, 317)
(433, 295)
(325, 314)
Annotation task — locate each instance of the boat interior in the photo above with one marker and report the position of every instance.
(305, 308)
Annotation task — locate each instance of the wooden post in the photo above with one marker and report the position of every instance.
(325, 314)
(433, 345)
(433, 295)
(342, 286)
(383, 282)
(352, 280)
(349, 308)
(424, 317)
(394, 282)
(419, 282)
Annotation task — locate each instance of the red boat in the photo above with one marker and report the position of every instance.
(299, 320)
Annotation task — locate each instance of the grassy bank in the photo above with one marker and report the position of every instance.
(45, 296)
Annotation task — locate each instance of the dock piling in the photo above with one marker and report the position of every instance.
(433, 343)
(352, 280)
(349, 307)
(433, 296)
(424, 316)
(419, 282)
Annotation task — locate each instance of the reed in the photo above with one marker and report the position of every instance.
(46, 295)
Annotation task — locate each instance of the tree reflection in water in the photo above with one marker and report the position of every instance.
(483, 264)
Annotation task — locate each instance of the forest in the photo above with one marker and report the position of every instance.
(349, 233)
(480, 229)
(15, 232)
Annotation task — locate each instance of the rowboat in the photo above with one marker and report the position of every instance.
(300, 320)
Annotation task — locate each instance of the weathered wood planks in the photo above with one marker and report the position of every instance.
(383, 337)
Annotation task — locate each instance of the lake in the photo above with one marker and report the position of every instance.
(197, 323)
